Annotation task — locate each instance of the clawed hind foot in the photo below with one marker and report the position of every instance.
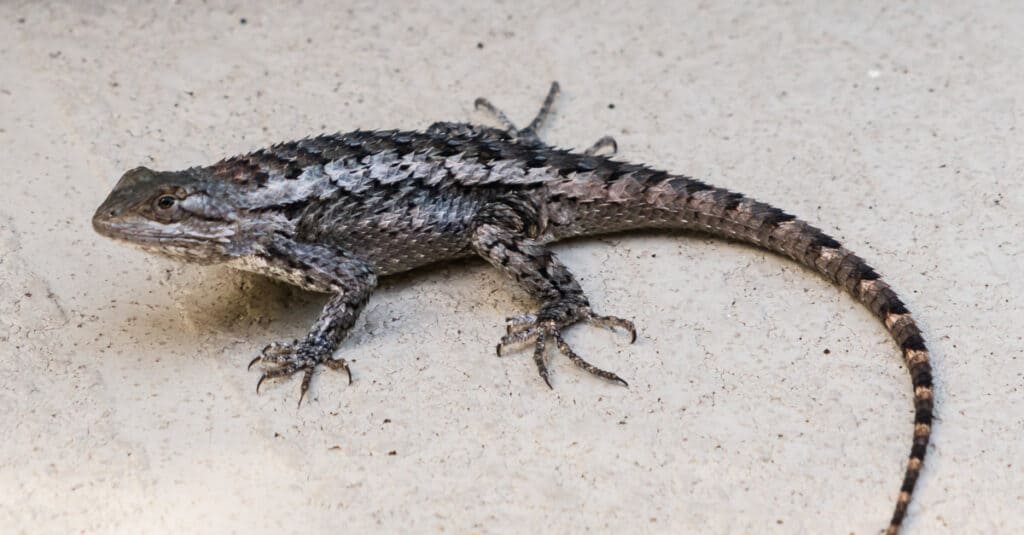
(528, 328)
(530, 133)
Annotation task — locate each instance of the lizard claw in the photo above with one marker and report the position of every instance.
(336, 364)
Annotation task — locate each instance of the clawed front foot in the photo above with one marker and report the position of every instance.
(541, 331)
(284, 359)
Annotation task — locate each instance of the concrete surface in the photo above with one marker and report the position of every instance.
(762, 400)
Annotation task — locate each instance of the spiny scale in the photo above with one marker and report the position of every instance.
(334, 213)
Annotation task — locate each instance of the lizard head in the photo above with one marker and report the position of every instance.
(180, 214)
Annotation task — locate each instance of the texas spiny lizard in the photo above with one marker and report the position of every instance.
(334, 213)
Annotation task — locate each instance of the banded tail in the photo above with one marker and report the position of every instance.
(669, 201)
(731, 215)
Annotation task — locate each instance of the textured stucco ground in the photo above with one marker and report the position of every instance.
(762, 400)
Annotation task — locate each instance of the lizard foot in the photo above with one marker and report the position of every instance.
(528, 328)
(284, 359)
(528, 134)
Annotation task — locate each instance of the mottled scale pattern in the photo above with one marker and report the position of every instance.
(333, 213)
(405, 199)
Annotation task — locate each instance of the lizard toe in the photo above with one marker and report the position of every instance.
(613, 322)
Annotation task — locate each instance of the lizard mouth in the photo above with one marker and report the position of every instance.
(134, 234)
(107, 228)
(116, 231)
(173, 243)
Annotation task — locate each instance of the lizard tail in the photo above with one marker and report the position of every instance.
(734, 216)
(623, 196)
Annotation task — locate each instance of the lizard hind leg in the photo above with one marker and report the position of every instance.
(605, 145)
(528, 134)
(499, 239)
(545, 111)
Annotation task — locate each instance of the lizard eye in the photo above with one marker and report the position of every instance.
(165, 202)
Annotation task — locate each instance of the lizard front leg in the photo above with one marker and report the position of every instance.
(501, 236)
(322, 269)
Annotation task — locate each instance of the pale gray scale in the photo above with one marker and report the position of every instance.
(351, 176)
(386, 167)
(314, 183)
(434, 176)
(504, 171)
(470, 172)
(424, 166)
(360, 177)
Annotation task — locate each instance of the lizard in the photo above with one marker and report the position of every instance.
(335, 212)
